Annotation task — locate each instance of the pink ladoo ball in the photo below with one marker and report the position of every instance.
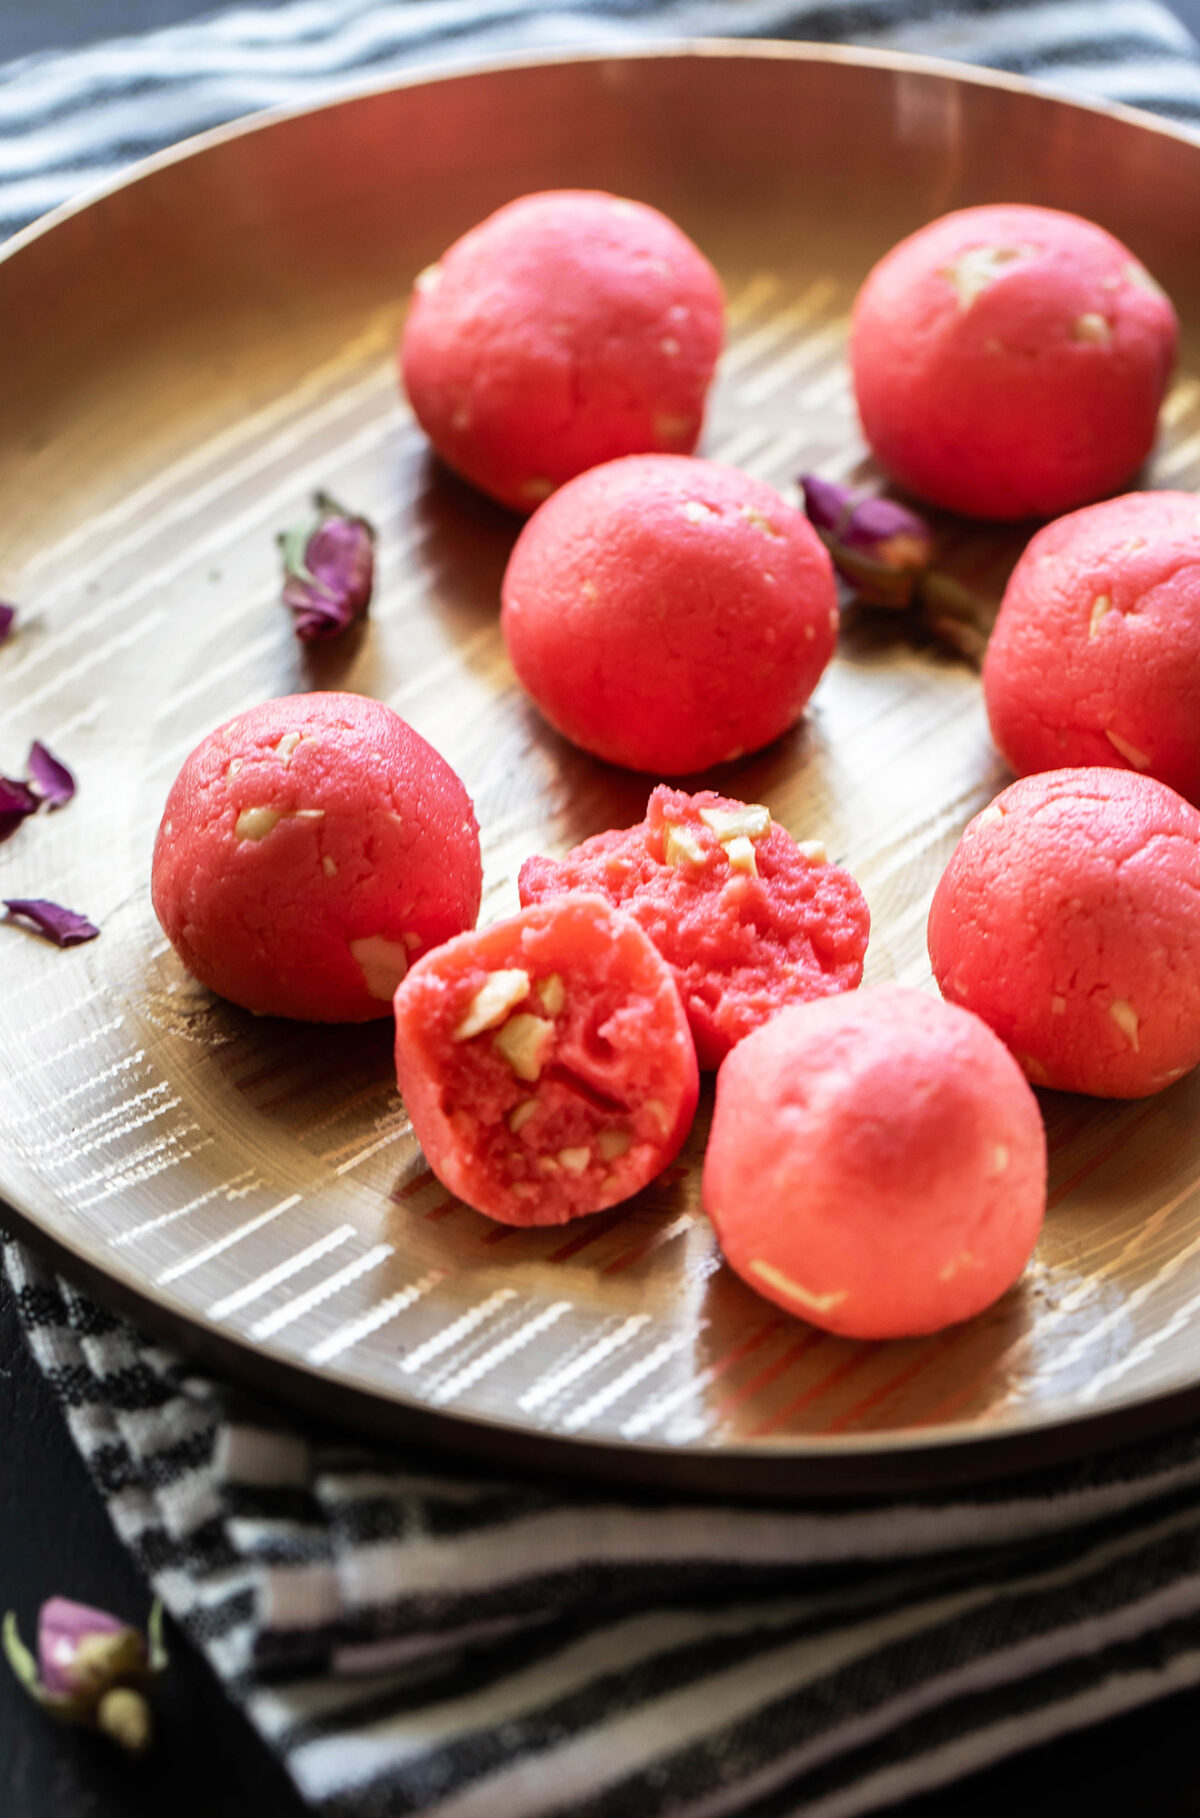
(310, 850)
(667, 614)
(747, 919)
(567, 329)
(1095, 655)
(877, 1164)
(1068, 918)
(1009, 362)
(546, 1062)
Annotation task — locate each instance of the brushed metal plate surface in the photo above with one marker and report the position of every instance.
(182, 361)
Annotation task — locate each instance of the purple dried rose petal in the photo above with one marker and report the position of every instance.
(878, 546)
(889, 533)
(65, 927)
(8, 616)
(67, 1652)
(329, 570)
(827, 506)
(16, 801)
(49, 776)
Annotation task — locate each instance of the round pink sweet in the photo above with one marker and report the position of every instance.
(1095, 656)
(310, 849)
(877, 1164)
(668, 614)
(1068, 918)
(748, 919)
(546, 1062)
(568, 328)
(1009, 361)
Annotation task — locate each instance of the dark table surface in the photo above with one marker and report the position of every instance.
(207, 1763)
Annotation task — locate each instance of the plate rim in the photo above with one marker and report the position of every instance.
(799, 50)
(869, 1464)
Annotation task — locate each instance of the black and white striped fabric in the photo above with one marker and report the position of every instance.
(412, 1638)
(71, 119)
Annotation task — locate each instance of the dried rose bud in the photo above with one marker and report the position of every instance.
(329, 570)
(94, 1669)
(65, 927)
(956, 617)
(880, 547)
(49, 776)
(8, 616)
(16, 801)
(82, 1652)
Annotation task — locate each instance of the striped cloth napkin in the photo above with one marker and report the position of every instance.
(412, 1636)
(70, 119)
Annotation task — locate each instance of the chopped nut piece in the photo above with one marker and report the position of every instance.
(658, 1111)
(552, 993)
(751, 821)
(255, 823)
(695, 512)
(680, 846)
(813, 850)
(492, 1002)
(1126, 1018)
(383, 964)
(991, 816)
(1091, 328)
(1137, 274)
(235, 765)
(1058, 1006)
(980, 266)
(287, 745)
(1129, 752)
(759, 521)
(524, 1042)
(546, 1164)
(820, 1303)
(1033, 1069)
(520, 1114)
(741, 854)
(612, 1143)
(428, 280)
(329, 866)
(670, 346)
(1100, 606)
(575, 1161)
(999, 1158)
(964, 1260)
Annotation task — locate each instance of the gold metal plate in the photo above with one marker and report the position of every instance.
(182, 361)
